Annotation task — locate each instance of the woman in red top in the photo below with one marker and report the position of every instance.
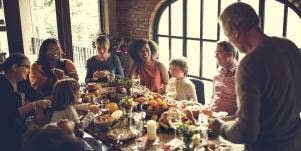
(153, 74)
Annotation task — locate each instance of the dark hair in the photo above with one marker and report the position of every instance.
(64, 93)
(138, 44)
(16, 58)
(182, 63)
(227, 47)
(50, 138)
(42, 57)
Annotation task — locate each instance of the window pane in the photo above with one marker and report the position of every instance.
(210, 20)
(163, 23)
(193, 57)
(3, 36)
(38, 22)
(176, 48)
(253, 3)
(163, 50)
(177, 18)
(273, 21)
(294, 23)
(193, 18)
(84, 21)
(43, 18)
(225, 3)
(209, 63)
(83, 31)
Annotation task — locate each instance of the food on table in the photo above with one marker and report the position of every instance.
(103, 121)
(117, 115)
(208, 112)
(92, 86)
(88, 98)
(172, 104)
(93, 108)
(122, 122)
(163, 120)
(112, 106)
(121, 90)
(121, 134)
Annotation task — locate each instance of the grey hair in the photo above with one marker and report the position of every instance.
(241, 15)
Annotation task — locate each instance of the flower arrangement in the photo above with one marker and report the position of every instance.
(190, 134)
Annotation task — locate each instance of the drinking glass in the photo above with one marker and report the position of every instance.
(171, 92)
(136, 123)
(174, 119)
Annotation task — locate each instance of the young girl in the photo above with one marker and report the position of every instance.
(65, 94)
(185, 89)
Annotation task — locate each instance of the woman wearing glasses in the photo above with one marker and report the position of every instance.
(13, 111)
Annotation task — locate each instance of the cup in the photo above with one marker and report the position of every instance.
(151, 130)
(88, 119)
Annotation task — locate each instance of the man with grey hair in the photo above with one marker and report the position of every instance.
(268, 86)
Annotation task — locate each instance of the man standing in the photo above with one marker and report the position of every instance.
(268, 86)
(224, 97)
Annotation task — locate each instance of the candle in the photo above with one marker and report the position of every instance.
(151, 130)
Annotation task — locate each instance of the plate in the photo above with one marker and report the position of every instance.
(122, 134)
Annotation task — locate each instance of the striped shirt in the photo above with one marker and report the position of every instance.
(224, 96)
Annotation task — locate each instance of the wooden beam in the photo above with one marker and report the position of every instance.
(64, 26)
(13, 26)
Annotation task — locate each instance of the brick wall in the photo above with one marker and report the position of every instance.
(134, 17)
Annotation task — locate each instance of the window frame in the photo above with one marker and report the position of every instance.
(185, 38)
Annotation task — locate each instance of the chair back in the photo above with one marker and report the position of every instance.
(199, 88)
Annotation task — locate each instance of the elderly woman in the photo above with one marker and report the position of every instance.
(105, 65)
(153, 74)
(14, 110)
(50, 67)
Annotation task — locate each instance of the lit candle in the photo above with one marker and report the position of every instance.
(151, 130)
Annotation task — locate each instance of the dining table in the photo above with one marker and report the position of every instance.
(164, 137)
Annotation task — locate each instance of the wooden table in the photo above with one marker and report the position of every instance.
(163, 137)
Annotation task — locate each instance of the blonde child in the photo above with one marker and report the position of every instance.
(185, 89)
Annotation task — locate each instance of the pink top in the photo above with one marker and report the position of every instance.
(224, 96)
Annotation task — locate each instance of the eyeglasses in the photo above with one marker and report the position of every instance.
(25, 65)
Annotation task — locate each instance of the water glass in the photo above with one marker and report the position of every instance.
(88, 119)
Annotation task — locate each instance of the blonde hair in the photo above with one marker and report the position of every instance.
(239, 14)
(103, 41)
(181, 63)
(64, 93)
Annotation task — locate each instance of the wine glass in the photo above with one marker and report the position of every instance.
(136, 123)
(174, 119)
(136, 126)
(171, 92)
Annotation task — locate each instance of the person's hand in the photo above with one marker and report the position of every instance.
(99, 74)
(215, 125)
(66, 125)
(59, 74)
(190, 116)
(43, 104)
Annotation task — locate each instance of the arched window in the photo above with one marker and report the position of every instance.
(190, 28)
